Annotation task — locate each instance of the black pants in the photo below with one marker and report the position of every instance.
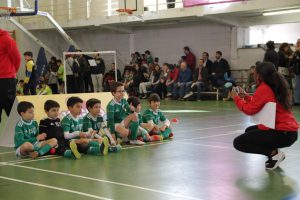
(54, 88)
(264, 142)
(30, 87)
(7, 94)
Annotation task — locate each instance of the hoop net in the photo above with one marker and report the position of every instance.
(124, 13)
(5, 12)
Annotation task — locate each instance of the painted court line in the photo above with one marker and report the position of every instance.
(106, 181)
(54, 188)
(7, 152)
(215, 127)
(34, 160)
(206, 145)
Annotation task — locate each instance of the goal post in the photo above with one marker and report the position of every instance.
(108, 57)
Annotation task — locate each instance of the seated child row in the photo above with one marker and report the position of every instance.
(89, 135)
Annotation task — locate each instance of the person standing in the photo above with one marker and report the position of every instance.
(271, 55)
(10, 60)
(296, 68)
(190, 58)
(30, 79)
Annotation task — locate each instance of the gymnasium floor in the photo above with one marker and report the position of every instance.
(199, 163)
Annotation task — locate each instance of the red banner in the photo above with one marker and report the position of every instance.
(191, 3)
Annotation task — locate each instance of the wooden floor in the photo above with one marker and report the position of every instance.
(199, 163)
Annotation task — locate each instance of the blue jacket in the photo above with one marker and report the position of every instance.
(185, 76)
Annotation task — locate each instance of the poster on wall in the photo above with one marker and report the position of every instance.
(191, 3)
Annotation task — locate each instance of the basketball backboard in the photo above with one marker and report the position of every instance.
(137, 6)
(23, 7)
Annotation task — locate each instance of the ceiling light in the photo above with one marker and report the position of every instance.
(280, 12)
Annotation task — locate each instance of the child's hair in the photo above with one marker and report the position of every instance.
(73, 100)
(134, 101)
(114, 86)
(23, 106)
(269, 75)
(252, 67)
(154, 97)
(28, 53)
(50, 104)
(91, 102)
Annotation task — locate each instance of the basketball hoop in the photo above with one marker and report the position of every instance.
(124, 13)
(5, 12)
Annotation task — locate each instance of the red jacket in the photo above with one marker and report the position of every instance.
(173, 75)
(10, 58)
(191, 60)
(250, 105)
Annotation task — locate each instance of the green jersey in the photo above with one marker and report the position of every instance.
(116, 112)
(25, 132)
(95, 123)
(156, 117)
(71, 124)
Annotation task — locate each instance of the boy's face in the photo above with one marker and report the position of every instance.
(28, 115)
(120, 93)
(95, 111)
(27, 57)
(154, 105)
(53, 113)
(75, 110)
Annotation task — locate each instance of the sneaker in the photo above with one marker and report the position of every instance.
(171, 135)
(136, 142)
(169, 94)
(188, 95)
(34, 154)
(140, 138)
(104, 146)
(274, 162)
(155, 138)
(73, 147)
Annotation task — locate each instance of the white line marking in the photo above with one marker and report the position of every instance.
(54, 188)
(7, 152)
(35, 160)
(216, 127)
(106, 181)
(207, 145)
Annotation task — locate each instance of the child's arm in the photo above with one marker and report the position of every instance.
(111, 119)
(165, 121)
(66, 127)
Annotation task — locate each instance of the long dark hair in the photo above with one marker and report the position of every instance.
(278, 84)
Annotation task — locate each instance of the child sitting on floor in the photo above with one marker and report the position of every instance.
(52, 127)
(27, 140)
(153, 116)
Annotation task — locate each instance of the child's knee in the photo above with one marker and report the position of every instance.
(53, 142)
(27, 146)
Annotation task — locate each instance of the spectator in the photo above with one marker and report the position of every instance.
(61, 76)
(172, 80)
(251, 86)
(207, 63)
(10, 60)
(153, 81)
(53, 79)
(20, 88)
(296, 67)
(284, 62)
(271, 55)
(219, 68)
(85, 80)
(200, 81)
(185, 76)
(190, 58)
(110, 77)
(149, 57)
(72, 68)
(161, 88)
(97, 73)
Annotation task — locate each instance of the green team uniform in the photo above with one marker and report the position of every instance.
(25, 132)
(116, 112)
(95, 123)
(70, 124)
(156, 117)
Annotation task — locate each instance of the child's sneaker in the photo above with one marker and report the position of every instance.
(34, 154)
(275, 161)
(141, 139)
(73, 147)
(136, 142)
(171, 135)
(155, 138)
(104, 146)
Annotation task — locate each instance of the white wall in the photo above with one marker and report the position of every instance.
(164, 42)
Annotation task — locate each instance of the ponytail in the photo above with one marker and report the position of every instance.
(276, 82)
